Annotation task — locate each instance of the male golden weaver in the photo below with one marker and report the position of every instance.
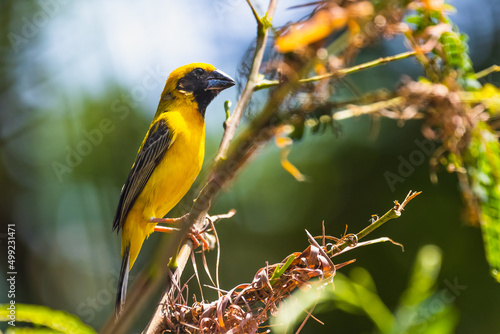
(168, 160)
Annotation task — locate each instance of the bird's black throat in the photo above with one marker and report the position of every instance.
(204, 85)
(203, 99)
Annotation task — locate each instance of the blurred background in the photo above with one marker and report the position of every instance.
(80, 82)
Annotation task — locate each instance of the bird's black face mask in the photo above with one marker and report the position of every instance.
(204, 85)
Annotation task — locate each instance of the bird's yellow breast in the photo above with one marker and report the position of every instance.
(179, 167)
(172, 177)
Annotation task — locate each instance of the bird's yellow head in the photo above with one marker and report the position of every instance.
(196, 82)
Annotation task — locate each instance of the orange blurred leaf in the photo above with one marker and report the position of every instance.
(316, 28)
(321, 24)
(284, 142)
(287, 165)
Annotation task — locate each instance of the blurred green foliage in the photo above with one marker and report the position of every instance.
(479, 156)
(59, 321)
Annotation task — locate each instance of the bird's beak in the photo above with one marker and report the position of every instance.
(218, 80)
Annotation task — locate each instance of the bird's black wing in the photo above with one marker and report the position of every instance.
(156, 145)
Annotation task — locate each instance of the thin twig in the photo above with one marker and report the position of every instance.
(369, 242)
(255, 14)
(354, 111)
(228, 215)
(339, 73)
(217, 242)
(196, 273)
(309, 314)
(487, 71)
(394, 212)
(246, 94)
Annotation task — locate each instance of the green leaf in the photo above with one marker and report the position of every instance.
(414, 19)
(483, 169)
(40, 315)
(280, 270)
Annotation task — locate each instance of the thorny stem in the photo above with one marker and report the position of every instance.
(339, 73)
(394, 212)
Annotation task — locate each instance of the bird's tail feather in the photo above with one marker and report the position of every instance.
(122, 281)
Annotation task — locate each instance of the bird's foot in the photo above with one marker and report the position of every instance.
(196, 234)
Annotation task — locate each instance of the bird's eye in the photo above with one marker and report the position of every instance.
(198, 71)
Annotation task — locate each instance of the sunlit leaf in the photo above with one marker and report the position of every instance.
(44, 316)
(484, 171)
(321, 24)
(316, 28)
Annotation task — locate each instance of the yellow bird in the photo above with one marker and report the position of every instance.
(168, 160)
